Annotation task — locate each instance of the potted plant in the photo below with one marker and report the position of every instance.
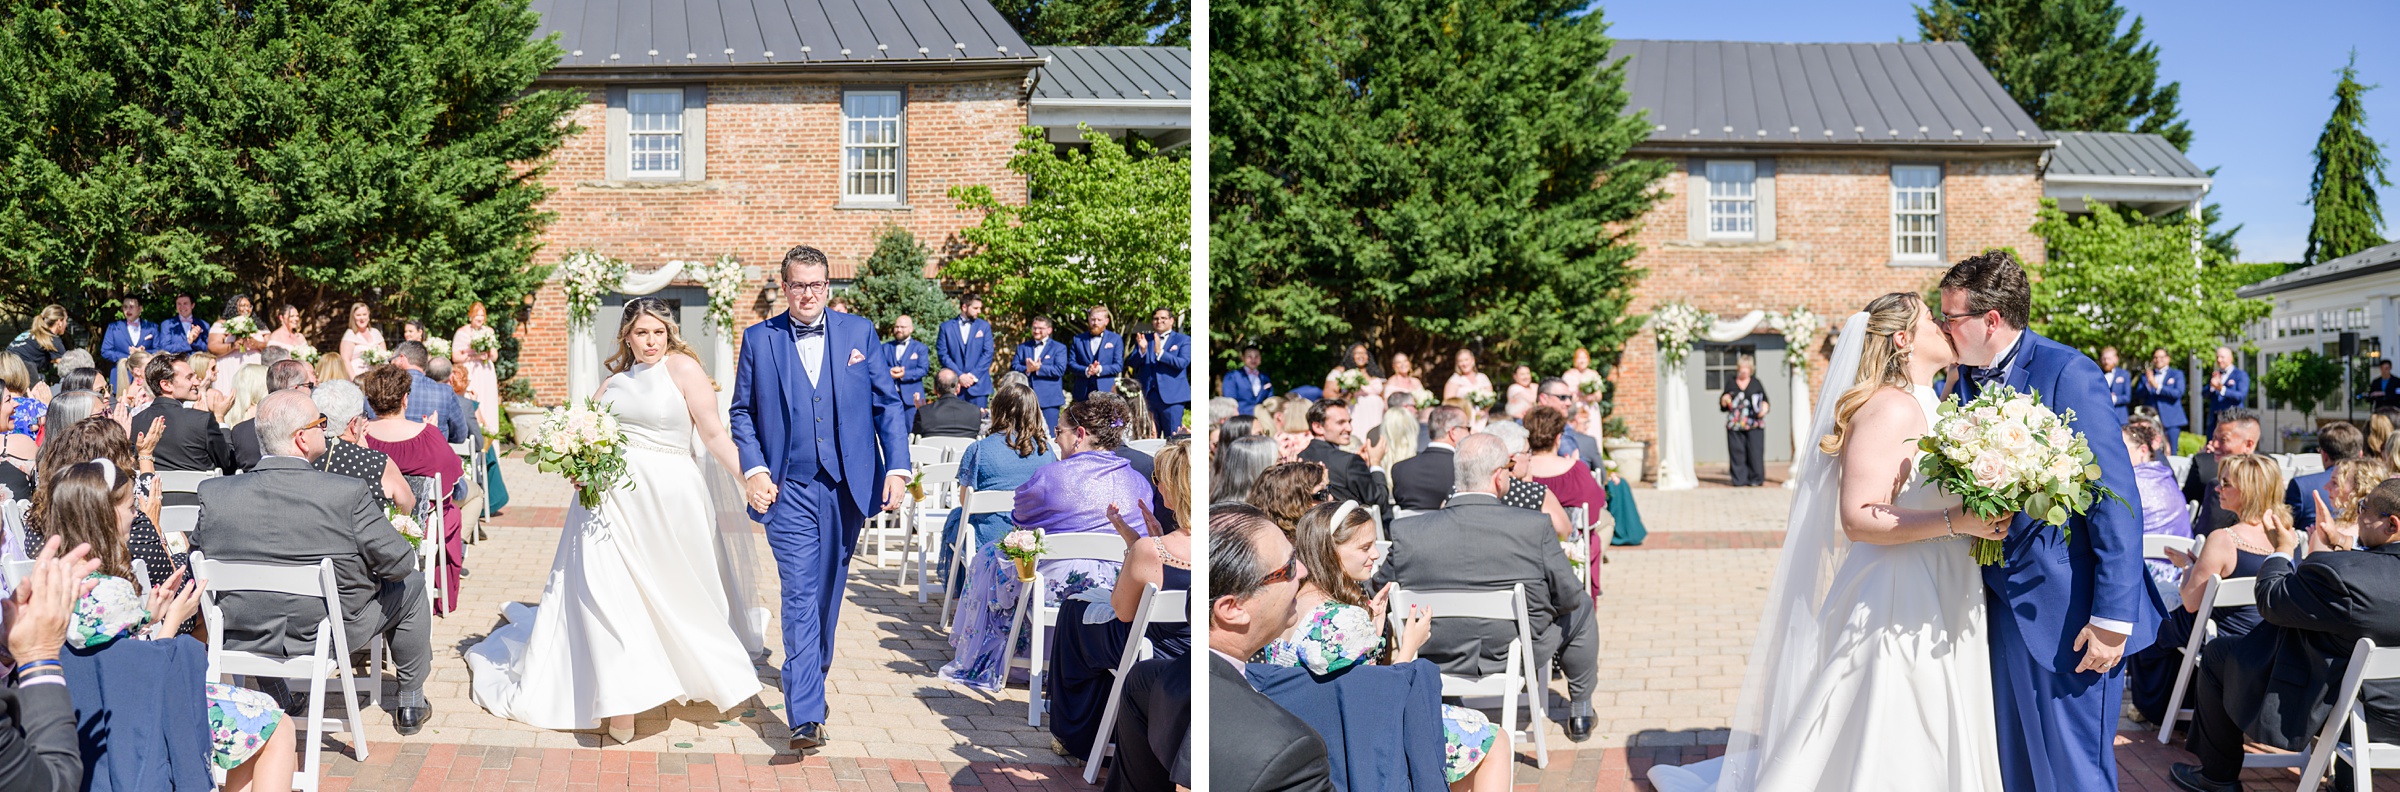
(1623, 450)
(516, 400)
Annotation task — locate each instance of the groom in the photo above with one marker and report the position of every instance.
(816, 429)
(2064, 610)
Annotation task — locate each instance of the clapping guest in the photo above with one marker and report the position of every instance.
(2227, 386)
(1165, 357)
(25, 416)
(41, 345)
(329, 368)
(1293, 434)
(965, 345)
(1044, 362)
(910, 359)
(1351, 476)
(2160, 388)
(192, 440)
(2248, 485)
(1254, 579)
(97, 437)
(2336, 441)
(1084, 658)
(39, 751)
(180, 333)
(418, 449)
(1239, 464)
(123, 337)
(1247, 386)
(1098, 355)
(1466, 379)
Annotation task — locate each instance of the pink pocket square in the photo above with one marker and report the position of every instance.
(856, 356)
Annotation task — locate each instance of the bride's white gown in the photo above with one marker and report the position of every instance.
(636, 611)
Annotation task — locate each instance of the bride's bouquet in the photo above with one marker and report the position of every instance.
(582, 442)
(1350, 380)
(437, 348)
(2005, 452)
(240, 327)
(409, 528)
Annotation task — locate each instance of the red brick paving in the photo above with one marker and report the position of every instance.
(444, 766)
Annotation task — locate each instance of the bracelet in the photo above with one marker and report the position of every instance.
(39, 664)
(1946, 528)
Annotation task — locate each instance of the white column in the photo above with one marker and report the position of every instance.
(1801, 417)
(1674, 430)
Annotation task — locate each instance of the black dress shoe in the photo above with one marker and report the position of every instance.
(808, 736)
(2187, 776)
(1579, 728)
(407, 720)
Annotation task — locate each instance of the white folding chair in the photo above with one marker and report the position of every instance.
(951, 447)
(924, 519)
(471, 468)
(329, 659)
(920, 454)
(141, 576)
(1157, 607)
(1523, 674)
(1151, 446)
(2155, 546)
(1034, 608)
(963, 545)
(2344, 735)
(1402, 514)
(1579, 534)
(187, 481)
(15, 571)
(432, 561)
(2221, 593)
(175, 519)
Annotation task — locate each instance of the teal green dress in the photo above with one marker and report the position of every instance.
(1337, 636)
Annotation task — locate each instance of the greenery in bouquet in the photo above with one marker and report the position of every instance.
(1676, 325)
(1426, 400)
(582, 442)
(724, 278)
(305, 354)
(484, 343)
(437, 348)
(374, 356)
(408, 526)
(1350, 380)
(242, 327)
(2004, 452)
(1589, 386)
(585, 275)
(1482, 398)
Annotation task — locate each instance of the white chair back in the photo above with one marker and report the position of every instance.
(2155, 546)
(1151, 446)
(1522, 674)
(951, 447)
(963, 545)
(2345, 733)
(175, 519)
(2182, 465)
(920, 455)
(926, 518)
(15, 571)
(183, 480)
(330, 659)
(991, 502)
(1157, 607)
(2220, 593)
(1035, 610)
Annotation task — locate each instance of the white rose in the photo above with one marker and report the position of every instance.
(1986, 414)
(2012, 436)
(1957, 431)
(1990, 469)
(2065, 468)
(557, 443)
(2060, 437)
(2017, 409)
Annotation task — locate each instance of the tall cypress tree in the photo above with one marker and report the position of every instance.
(2349, 168)
(2065, 62)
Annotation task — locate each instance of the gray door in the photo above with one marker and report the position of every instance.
(690, 305)
(1709, 367)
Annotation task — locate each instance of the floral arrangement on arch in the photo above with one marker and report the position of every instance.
(587, 275)
(1677, 324)
(1799, 329)
(724, 279)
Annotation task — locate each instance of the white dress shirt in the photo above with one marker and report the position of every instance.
(812, 357)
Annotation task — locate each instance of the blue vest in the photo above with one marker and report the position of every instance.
(813, 445)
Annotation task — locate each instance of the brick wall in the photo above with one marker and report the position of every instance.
(773, 179)
(1832, 252)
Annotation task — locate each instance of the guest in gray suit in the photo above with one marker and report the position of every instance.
(1477, 543)
(288, 513)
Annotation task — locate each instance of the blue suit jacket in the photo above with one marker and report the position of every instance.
(1111, 359)
(2167, 399)
(1049, 382)
(1246, 390)
(1167, 371)
(2051, 586)
(2120, 389)
(2300, 494)
(972, 356)
(170, 332)
(114, 345)
(867, 416)
(2237, 388)
(913, 361)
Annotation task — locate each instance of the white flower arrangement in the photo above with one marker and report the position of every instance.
(587, 275)
(725, 280)
(1426, 400)
(408, 526)
(1799, 329)
(438, 348)
(1483, 398)
(244, 326)
(305, 354)
(1677, 324)
(2005, 452)
(485, 343)
(374, 356)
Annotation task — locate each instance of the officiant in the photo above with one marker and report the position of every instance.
(1744, 403)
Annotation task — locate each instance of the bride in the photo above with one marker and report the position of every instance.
(645, 604)
(1877, 677)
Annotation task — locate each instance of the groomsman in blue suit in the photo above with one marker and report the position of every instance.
(966, 348)
(1166, 360)
(816, 418)
(2120, 382)
(2227, 387)
(909, 361)
(184, 331)
(1044, 362)
(1097, 356)
(122, 337)
(2161, 388)
(1246, 386)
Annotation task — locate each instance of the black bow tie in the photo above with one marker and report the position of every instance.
(805, 331)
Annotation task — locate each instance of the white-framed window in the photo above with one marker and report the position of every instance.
(1732, 199)
(1917, 212)
(654, 132)
(871, 146)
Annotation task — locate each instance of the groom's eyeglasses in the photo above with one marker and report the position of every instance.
(819, 287)
(1952, 319)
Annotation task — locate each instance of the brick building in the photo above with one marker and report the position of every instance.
(1820, 175)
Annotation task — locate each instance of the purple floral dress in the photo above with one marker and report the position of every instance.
(1337, 636)
(1068, 496)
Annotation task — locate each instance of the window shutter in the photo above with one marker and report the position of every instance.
(1695, 194)
(1765, 188)
(695, 132)
(616, 124)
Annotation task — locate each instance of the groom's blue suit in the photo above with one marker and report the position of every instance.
(828, 445)
(2058, 727)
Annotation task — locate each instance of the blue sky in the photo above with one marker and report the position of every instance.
(2257, 81)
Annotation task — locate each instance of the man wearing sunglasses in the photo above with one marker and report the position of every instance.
(1254, 576)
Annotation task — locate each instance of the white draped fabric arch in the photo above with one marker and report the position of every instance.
(1675, 406)
(583, 350)
(1800, 439)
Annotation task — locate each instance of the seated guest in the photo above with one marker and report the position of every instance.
(2276, 685)
(1348, 476)
(84, 378)
(2164, 512)
(1422, 482)
(2246, 485)
(1219, 409)
(1154, 727)
(344, 407)
(418, 450)
(249, 388)
(91, 504)
(1238, 466)
(1343, 627)
(2236, 433)
(1477, 543)
(288, 513)
(947, 415)
(2352, 479)
(97, 437)
(25, 418)
(1569, 480)
(1523, 492)
(1235, 428)
(429, 396)
(1083, 661)
(1288, 489)
(1399, 423)
(1073, 495)
(39, 751)
(2336, 441)
(1002, 460)
(192, 440)
(329, 368)
(1254, 579)
(281, 376)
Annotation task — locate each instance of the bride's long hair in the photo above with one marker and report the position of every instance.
(654, 308)
(1880, 362)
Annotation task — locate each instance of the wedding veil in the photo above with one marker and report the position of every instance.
(737, 550)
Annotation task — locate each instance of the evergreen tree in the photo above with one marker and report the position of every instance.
(1420, 175)
(892, 282)
(2065, 62)
(1100, 22)
(2349, 168)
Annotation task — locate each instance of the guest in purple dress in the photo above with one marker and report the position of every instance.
(2164, 512)
(1072, 495)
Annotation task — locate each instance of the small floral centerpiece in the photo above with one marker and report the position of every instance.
(1023, 546)
(244, 326)
(724, 278)
(582, 442)
(1350, 380)
(438, 348)
(2005, 452)
(484, 344)
(305, 354)
(374, 356)
(409, 528)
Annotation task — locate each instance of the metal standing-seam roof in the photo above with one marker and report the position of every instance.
(1721, 92)
(704, 34)
(2380, 258)
(1079, 75)
(2127, 154)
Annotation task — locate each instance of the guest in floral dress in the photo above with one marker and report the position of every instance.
(1017, 446)
(1071, 496)
(23, 428)
(1344, 628)
(99, 437)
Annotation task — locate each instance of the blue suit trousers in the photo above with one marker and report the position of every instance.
(812, 529)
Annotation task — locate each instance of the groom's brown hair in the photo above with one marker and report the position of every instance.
(1994, 282)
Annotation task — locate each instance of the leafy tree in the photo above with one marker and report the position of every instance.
(1109, 226)
(892, 282)
(2302, 380)
(1100, 22)
(2065, 62)
(1420, 175)
(313, 152)
(2349, 168)
(2113, 280)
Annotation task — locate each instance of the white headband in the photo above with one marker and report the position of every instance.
(109, 470)
(1342, 512)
